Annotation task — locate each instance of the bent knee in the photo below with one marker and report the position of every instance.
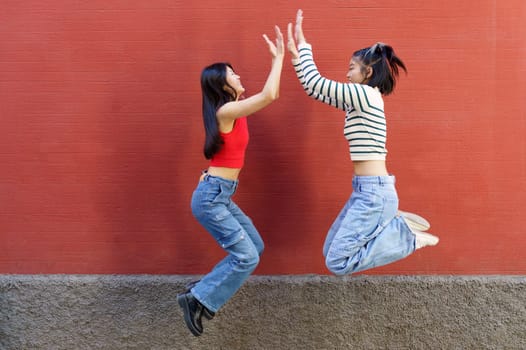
(248, 262)
(260, 249)
(252, 259)
(336, 266)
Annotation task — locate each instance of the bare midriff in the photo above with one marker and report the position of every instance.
(361, 168)
(370, 168)
(225, 173)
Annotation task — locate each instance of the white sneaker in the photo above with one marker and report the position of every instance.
(415, 222)
(423, 239)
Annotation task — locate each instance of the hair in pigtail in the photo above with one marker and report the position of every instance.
(384, 62)
(213, 81)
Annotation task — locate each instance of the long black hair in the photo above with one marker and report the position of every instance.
(213, 83)
(382, 59)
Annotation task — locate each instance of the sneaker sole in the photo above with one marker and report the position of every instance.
(427, 238)
(415, 221)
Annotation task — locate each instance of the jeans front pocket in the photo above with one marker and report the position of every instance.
(203, 199)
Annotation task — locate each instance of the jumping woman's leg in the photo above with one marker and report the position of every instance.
(219, 285)
(367, 236)
(336, 226)
(248, 226)
(394, 242)
(211, 206)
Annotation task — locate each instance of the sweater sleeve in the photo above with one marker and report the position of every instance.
(317, 96)
(339, 95)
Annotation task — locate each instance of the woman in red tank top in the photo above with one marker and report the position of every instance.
(226, 138)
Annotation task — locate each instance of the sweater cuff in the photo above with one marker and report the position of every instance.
(305, 46)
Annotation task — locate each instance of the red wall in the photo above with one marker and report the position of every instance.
(101, 132)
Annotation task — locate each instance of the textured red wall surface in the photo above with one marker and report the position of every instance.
(101, 132)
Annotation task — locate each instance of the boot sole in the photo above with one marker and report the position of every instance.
(181, 300)
(206, 312)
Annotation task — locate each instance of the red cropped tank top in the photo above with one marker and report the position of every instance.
(232, 152)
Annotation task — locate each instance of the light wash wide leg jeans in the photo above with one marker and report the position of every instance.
(367, 233)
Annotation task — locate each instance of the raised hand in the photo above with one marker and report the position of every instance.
(277, 50)
(291, 44)
(298, 28)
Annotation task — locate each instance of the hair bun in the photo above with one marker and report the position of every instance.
(379, 47)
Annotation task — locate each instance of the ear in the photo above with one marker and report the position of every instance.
(369, 73)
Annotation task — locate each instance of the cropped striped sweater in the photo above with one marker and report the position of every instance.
(365, 126)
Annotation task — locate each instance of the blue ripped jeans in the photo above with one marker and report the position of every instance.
(367, 233)
(213, 207)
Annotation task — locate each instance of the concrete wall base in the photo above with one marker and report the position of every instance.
(269, 312)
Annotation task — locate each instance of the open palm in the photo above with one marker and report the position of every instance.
(298, 35)
(279, 48)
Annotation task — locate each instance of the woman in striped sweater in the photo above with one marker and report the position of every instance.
(370, 231)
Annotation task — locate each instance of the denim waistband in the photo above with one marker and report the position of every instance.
(373, 180)
(220, 180)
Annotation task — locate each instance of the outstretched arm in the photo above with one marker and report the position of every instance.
(322, 89)
(291, 45)
(269, 93)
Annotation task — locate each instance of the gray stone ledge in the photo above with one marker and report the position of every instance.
(269, 312)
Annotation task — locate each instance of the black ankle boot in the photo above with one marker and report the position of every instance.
(193, 310)
(206, 313)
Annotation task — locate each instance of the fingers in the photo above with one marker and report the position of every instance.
(279, 48)
(290, 42)
(279, 35)
(291, 45)
(267, 39)
(299, 24)
(298, 29)
(289, 32)
(299, 17)
(298, 32)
